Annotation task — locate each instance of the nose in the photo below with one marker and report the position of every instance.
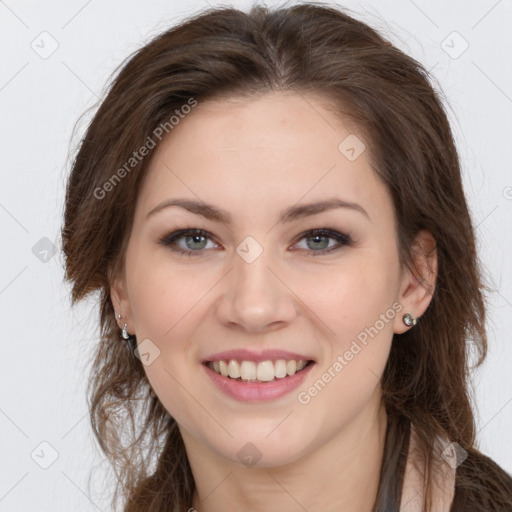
(256, 298)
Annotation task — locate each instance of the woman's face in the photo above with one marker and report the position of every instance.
(260, 285)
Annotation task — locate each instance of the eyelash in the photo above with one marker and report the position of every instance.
(170, 239)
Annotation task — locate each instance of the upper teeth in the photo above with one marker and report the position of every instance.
(263, 371)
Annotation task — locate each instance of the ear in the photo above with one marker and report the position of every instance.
(417, 286)
(119, 298)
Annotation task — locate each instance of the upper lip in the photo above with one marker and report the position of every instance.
(249, 355)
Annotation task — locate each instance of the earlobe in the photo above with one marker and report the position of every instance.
(418, 284)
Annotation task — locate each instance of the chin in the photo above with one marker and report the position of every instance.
(259, 451)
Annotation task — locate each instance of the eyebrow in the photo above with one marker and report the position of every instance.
(290, 214)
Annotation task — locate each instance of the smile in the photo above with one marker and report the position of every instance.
(263, 371)
(251, 381)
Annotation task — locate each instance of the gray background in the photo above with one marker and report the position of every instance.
(56, 58)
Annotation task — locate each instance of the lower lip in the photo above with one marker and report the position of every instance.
(257, 391)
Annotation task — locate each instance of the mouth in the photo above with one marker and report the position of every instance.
(258, 371)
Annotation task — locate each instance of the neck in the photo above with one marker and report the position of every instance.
(340, 476)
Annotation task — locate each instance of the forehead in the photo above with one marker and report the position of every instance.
(274, 148)
(279, 120)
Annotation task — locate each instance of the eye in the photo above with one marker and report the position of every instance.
(320, 240)
(196, 240)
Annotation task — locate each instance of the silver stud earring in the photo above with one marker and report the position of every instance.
(125, 332)
(409, 320)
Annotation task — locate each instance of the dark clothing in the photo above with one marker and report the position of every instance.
(480, 484)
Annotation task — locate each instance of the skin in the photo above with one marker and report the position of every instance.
(254, 158)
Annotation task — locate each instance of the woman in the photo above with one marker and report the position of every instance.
(270, 206)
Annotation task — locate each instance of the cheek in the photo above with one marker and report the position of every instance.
(357, 313)
(166, 308)
(355, 304)
(164, 298)
(350, 297)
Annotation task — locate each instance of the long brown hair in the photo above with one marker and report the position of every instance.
(306, 48)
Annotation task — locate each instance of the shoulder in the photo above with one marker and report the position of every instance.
(443, 478)
(476, 484)
(481, 484)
